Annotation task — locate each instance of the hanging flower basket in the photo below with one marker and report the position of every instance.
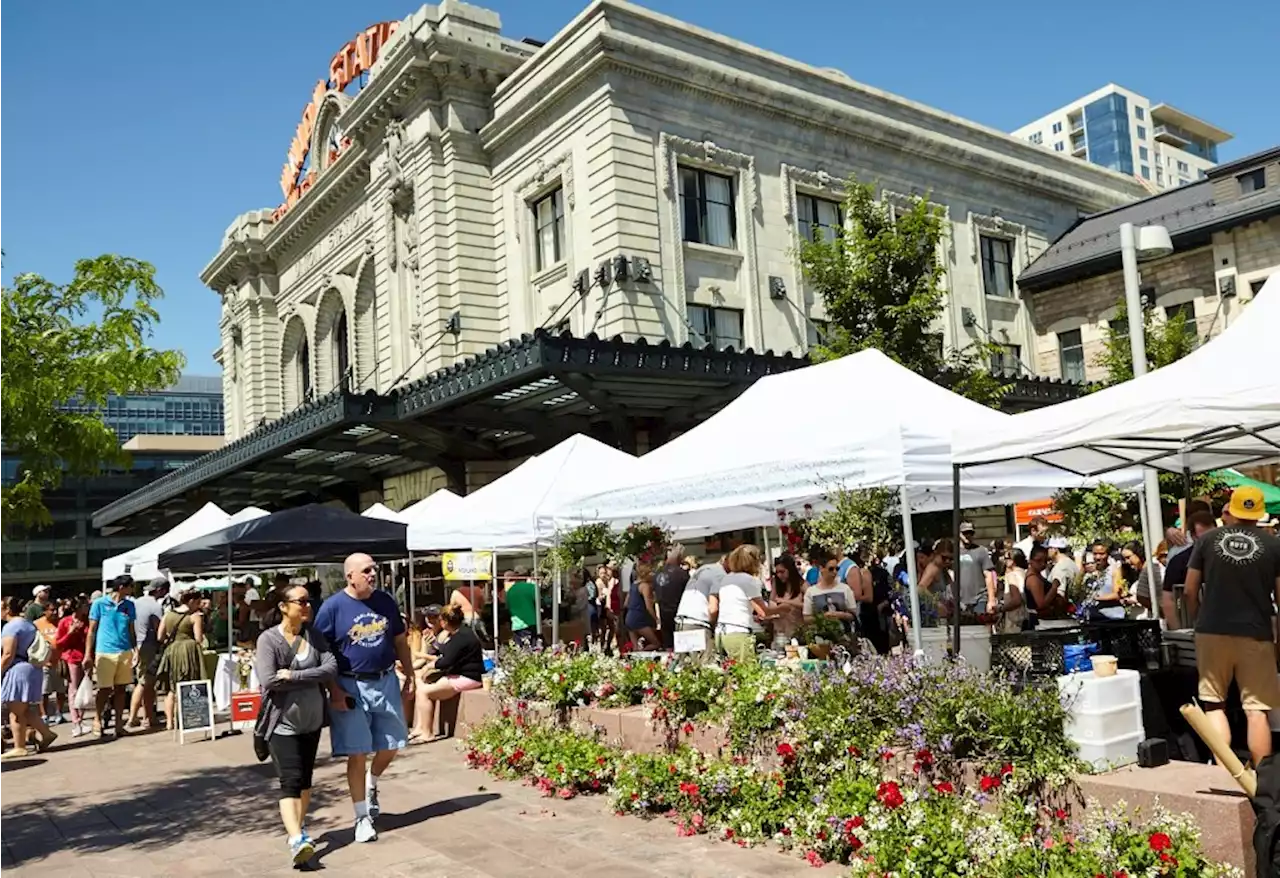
(645, 541)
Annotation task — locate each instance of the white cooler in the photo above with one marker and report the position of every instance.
(1104, 716)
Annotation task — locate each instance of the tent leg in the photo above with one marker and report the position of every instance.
(537, 591)
(408, 584)
(913, 575)
(955, 572)
(493, 578)
(231, 645)
(555, 596)
(1149, 514)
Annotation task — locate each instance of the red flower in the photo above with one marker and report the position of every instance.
(853, 751)
(925, 757)
(600, 760)
(815, 859)
(671, 769)
(1159, 841)
(1060, 814)
(945, 787)
(1006, 770)
(687, 728)
(787, 752)
(989, 783)
(890, 795)
(728, 833)
(506, 712)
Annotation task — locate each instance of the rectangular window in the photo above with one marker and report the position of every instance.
(1057, 127)
(1143, 153)
(1058, 147)
(1142, 132)
(818, 219)
(997, 266)
(1071, 356)
(706, 202)
(1139, 113)
(1182, 168)
(1146, 173)
(1159, 174)
(816, 332)
(1008, 362)
(1253, 181)
(548, 228)
(718, 327)
(1037, 138)
(1187, 311)
(1255, 286)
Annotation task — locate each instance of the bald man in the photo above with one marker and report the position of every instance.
(366, 632)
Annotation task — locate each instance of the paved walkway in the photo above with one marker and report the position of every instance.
(145, 806)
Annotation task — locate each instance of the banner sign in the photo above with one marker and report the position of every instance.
(1024, 512)
(468, 565)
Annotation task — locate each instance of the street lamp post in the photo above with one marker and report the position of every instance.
(1147, 242)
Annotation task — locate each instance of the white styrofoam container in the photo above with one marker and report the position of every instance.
(1084, 692)
(1112, 753)
(1084, 726)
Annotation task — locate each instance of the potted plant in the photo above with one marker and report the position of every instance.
(820, 634)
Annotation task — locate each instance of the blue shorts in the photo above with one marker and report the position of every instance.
(375, 723)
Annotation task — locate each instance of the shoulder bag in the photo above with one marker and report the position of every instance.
(261, 749)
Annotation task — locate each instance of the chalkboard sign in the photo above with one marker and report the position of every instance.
(195, 708)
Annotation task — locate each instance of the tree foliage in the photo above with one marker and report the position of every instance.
(70, 346)
(868, 515)
(880, 281)
(1104, 512)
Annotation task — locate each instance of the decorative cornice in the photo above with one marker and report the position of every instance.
(819, 181)
(544, 173)
(993, 224)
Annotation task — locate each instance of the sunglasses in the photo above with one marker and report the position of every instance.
(299, 601)
(833, 568)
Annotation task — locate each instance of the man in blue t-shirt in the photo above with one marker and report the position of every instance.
(110, 649)
(367, 634)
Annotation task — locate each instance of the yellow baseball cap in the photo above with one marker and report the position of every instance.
(1247, 503)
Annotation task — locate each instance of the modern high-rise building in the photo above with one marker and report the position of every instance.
(162, 431)
(1122, 130)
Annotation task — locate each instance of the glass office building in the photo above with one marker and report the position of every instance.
(1106, 127)
(68, 553)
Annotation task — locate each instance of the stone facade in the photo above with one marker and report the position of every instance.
(419, 242)
(1246, 255)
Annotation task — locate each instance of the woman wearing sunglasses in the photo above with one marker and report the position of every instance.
(294, 664)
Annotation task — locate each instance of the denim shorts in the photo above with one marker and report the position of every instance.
(376, 722)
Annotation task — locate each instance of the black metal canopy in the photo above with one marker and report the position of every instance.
(304, 535)
(516, 399)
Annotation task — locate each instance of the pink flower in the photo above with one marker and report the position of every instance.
(566, 793)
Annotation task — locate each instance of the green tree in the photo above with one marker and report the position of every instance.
(1104, 512)
(71, 346)
(880, 281)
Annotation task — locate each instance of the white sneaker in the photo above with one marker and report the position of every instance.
(364, 830)
(77, 730)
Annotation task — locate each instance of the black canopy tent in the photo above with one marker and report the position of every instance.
(305, 535)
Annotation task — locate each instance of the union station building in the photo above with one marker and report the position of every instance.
(485, 244)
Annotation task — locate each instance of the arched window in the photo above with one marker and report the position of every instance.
(304, 371)
(342, 352)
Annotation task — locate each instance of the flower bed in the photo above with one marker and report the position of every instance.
(892, 768)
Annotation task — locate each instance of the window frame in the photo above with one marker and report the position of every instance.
(805, 198)
(1258, 175)
(986, 248)
(699, 202)
(709, 336)
(557, 223)
(1063, 348)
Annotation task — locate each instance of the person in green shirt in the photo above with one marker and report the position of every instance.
(35, 609)
(522, 601)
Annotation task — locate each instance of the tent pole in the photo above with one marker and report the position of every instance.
(768, 555)
(409, 585)
(555, 596)
(493, 578)
(955, 572)
(913, 575)
(231, 647)
(1150, 536)
(537, 591)
(1186, 494)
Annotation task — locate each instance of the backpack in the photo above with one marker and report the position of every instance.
(40, 651)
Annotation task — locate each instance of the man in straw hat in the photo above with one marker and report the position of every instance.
(1232, 578)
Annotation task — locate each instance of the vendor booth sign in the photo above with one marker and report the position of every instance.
(468, 565)
(1024, 512)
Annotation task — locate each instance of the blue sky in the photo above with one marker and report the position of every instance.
(143, 127)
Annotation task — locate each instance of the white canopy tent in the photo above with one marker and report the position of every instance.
(514, 511)
(442, 499)
(1217, 407)
(145, 560)
(791, 438)
(382, 512)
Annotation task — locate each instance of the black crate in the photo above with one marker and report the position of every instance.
(1033, 654)
(1135, 643)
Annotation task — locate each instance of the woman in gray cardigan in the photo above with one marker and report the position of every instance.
(294, 664)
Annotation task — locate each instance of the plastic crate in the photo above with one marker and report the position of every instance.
(1134, 643)
(1032, 654)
